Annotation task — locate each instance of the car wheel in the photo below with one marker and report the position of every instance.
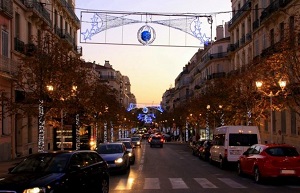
(210, 160)
(257, 175)
(104, 186)
(239, 169)
(221, 163)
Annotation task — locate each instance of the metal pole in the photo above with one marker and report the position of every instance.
(62, 129)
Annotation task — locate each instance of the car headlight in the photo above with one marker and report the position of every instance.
(138, 143)
(130, 154)
(35, 190)
(119, 160)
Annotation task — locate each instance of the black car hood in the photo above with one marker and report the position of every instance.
(25, 180)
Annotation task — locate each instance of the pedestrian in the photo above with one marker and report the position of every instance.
(279, 138)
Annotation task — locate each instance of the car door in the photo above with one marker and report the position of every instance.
(76, 175)
(93, 169)
(251, 158)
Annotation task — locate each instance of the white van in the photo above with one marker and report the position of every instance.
(229, 142)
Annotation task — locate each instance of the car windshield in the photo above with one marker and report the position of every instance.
(127, 145)
(135, 139)
(282, 151)
(110, 149)
(51, 163)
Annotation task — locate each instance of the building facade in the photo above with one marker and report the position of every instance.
(23, 24)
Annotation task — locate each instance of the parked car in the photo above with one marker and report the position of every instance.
(129, 146)
(269, 161)
(61, 171)
(229, 142)
(156, 140)
(116, 156)
(204, 150)
(196, 146)
(136, 141)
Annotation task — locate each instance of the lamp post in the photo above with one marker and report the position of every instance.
(282, 85)
(207, 122)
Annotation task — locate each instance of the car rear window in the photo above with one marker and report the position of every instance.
(282, 151)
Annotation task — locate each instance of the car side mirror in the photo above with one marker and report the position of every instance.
(246, 153)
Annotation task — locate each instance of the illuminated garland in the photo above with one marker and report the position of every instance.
(77, 132)
(111, 132)
(41, 127)
(105, 132)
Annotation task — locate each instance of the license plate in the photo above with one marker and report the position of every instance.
(287, 171)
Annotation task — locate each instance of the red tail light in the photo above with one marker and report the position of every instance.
(225, 153)
(162, 140)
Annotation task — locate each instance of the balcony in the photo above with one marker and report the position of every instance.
(7, 65)
(275, 48)
(70, 10)
(63, 34)
(6, 7)
(19, 45)
(38, 10)
(216, 75)
(78, 50)
(255, 24)
(274, 7)
(240, 13)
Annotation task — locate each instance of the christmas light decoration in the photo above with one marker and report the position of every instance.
(77, 132)
(41, 127)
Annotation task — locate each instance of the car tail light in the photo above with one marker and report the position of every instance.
(225, 153)
(162, 140)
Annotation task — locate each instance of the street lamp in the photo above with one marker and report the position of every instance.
(282, 85)
(207, 122)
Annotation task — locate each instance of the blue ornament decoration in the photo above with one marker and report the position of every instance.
(146, 35)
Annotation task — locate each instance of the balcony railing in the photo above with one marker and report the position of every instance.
(38, 8)
(240, 12)
(255, 24)
(69, 8)
(7, 65)
(19, 45)
(272, 8)
(6, 7)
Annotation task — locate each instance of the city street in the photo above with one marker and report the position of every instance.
(173, 168)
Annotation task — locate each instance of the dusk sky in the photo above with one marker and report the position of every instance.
(153, 68)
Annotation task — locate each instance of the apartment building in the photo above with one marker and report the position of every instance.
(257, 30)
(23, 24)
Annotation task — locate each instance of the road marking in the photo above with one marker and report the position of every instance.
(151, 183)
(205, 183)
(231, 183)
(125, 184)
(178, 183)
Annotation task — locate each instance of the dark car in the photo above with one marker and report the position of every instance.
(156, 140)
(204, 150)
(116, 155)
(129, 146)
(136, 141)
(196, 146)
(62, 171)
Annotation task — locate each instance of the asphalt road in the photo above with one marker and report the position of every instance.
(174, 169)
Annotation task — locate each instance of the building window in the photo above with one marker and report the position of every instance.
(4, 45)
(272, 37)
(29, 130)
(281, 32)
(29, 32)
(293, 122)
(292, 27)
(283, 122)
(17, 25)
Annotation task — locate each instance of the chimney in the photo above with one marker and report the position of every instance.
(227, 34)
(220, 32)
